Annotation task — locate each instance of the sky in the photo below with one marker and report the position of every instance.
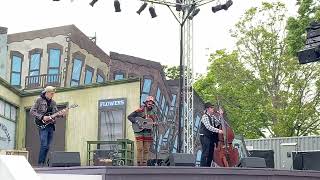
(126, 32)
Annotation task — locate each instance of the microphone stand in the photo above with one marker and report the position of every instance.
(155, 129)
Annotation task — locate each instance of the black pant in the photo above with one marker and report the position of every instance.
(207, 144)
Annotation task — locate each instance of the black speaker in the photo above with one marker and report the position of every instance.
(152, 162)
(306, 160)
(267, 155)
(180, 159)
(64, 159)
(252, 162)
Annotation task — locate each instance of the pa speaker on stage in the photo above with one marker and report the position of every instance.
(64, 159)
(180, 159)
(306, 160)
(252, 162)
(268, 156)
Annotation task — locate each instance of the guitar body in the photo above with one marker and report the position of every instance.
(142, 124)
(43, 124)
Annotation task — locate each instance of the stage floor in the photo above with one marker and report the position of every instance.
(182, 173)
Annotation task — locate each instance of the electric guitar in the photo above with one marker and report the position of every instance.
(141, 124)
(42, 123)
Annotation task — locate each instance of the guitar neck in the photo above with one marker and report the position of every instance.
(57, 113)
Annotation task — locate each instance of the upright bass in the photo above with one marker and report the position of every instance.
(225, 155)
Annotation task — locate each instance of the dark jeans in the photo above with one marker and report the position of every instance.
(46, 136)
(207, 144)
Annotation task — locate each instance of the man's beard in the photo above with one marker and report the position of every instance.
(150, 107)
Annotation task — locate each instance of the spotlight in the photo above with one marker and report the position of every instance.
(178, 5)
(93, 2)
(117, 6)
(194, 13)
(216, 8)
(152, 12)
(144, 5)
(227, 5)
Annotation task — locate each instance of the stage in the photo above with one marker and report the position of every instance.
(182, 173)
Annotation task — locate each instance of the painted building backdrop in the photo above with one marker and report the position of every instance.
(65, 57)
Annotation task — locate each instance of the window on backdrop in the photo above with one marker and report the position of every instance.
(159, 143)
(8, 118)
(76, 72)
(118, 75)
(147, 82)
(100, 79)
(16, 66)
(54, 65)
(173, 102)
(34, 68)
(175, 146)
(111, 126)
(165, 137)
(197, 124)
(158, 96)
(88, 75)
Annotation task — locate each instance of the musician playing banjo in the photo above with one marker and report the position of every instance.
(143, 134)
(41, 110)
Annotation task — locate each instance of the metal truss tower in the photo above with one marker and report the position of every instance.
(188, 79)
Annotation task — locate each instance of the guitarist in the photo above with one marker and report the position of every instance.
(144, 138)
(43, 106)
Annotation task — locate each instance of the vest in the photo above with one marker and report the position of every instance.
(203, 130)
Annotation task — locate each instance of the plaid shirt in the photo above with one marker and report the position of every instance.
(206, 122)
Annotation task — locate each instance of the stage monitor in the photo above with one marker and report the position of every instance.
(306, 160)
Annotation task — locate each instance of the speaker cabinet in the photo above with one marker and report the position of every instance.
(267, 155)
(180, 159)
(306, 160)
(252, 162)
(64, 159)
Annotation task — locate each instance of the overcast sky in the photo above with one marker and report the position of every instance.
(126, 32)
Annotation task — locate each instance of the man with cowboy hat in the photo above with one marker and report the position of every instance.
(144, 138)
(208, 134)
(44, 105)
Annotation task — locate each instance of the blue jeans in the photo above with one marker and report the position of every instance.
(46, 136)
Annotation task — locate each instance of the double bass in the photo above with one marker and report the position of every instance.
(225, 155)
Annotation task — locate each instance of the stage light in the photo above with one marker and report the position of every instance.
(216, 8)
(144, 5)
(178, 5)
(227, 5)
(117, 6)
(152, 12)
(194, 13)
(93, 2)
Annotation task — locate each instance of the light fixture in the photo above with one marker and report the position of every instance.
(144, 5)
(194, 13)
(117, 6)
(178, 5)
(216, 8)
(227, 5)
(93, 2)
(56, 0)
(152, 12)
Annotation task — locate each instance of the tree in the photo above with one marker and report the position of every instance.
(286, 97)
(171, 72)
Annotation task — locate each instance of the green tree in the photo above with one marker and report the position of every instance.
(171, 72)
(279, 95)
